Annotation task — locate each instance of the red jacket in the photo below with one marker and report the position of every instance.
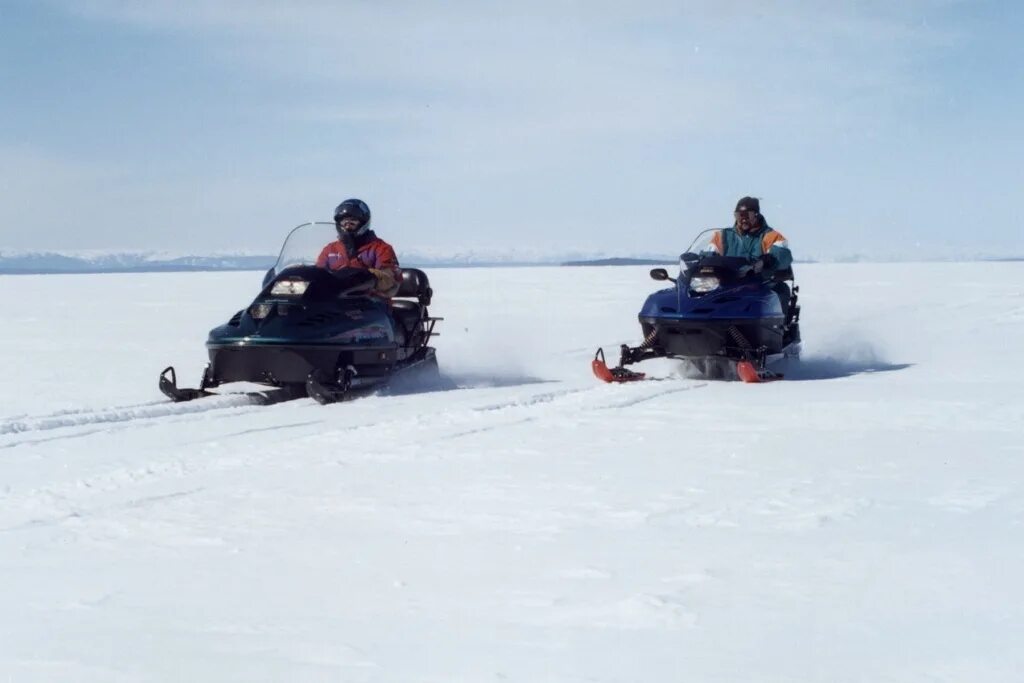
(371, 252)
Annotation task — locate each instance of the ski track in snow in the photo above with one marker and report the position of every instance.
(150, 414)
(443, 424)
(145, 411)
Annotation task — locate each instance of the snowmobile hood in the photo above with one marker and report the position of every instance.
(306, 305)
(716, 288)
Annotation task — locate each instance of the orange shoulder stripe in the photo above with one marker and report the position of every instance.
(716, 242)
(771, 237)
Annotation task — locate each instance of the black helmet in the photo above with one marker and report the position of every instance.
(353, 208)
(749, 204)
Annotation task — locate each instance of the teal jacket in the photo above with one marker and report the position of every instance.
(766, 240)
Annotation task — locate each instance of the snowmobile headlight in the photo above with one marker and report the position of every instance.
(260, 311)
(703, 285)
(289, 288)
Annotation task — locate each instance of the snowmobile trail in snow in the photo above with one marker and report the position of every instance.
(144, 411)
(186, 457)
(155, 413)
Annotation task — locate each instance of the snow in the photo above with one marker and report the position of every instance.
(861, 521)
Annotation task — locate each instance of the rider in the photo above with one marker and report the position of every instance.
(359, 247)
(751, 237)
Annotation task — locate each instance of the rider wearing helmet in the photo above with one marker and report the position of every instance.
(751, 237)
(359, 247)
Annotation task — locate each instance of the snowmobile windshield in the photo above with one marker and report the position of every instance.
(304, 244)
(701, 241)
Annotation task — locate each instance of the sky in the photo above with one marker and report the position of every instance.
(868, 127)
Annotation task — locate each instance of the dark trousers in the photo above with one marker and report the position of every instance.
(782, 290)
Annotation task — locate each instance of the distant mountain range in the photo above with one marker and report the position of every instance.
(32, 262)
(50, 262)
(25, 262)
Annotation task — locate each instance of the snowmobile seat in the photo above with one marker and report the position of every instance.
(407, 313)
(415, 285)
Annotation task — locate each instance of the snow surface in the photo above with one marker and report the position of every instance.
(861, 521)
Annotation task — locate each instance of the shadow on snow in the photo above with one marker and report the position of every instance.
(452, 382)
(812, 368)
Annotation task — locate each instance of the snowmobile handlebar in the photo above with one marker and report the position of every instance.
(732, 267)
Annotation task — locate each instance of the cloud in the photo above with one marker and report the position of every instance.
(457, 117)
(651, 67)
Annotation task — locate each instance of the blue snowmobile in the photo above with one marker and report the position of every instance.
(319, 333)
(721, 316)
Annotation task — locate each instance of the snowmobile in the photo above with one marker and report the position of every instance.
(721, 316)
(319, 333)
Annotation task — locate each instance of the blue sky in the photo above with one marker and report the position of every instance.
(866, 127)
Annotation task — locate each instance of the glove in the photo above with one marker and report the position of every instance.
(763, 262)
(385, 282)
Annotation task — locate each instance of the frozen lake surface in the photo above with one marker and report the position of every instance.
(861, 521)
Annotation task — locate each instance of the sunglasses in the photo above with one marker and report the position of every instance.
(749, 215)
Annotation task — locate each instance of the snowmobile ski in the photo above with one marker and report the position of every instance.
(613, 375)
(325, 392)
(169, 387)
(747, 372)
